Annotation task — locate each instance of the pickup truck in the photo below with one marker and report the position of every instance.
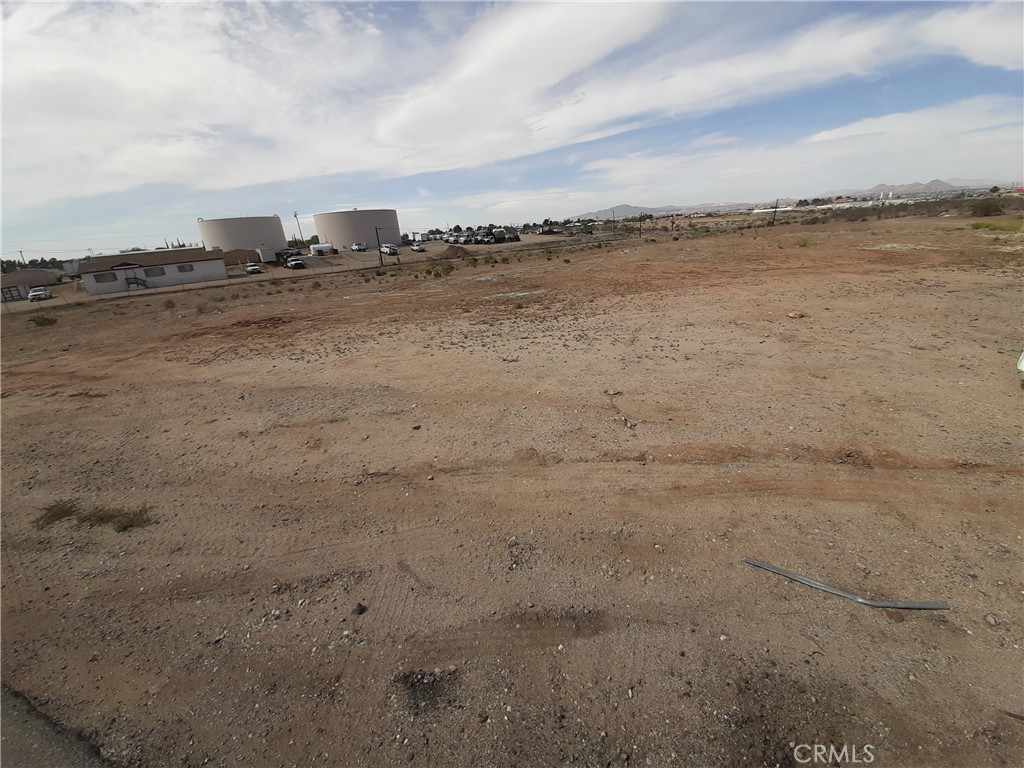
(39, 294)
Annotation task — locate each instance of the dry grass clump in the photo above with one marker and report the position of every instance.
(57, 511)
(121, 519)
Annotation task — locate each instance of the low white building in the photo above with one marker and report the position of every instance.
(139, 270)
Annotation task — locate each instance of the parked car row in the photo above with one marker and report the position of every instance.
(480, 237)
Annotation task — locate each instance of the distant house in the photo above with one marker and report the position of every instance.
(15, 285)
(138, 270)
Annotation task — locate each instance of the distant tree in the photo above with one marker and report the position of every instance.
(457, 228)
(994, 190)
(986, 207)
(314, 240)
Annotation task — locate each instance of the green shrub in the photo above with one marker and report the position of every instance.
(1001, 226)
(42, 320)
(169, 304)
(987, 207)
(803, 242)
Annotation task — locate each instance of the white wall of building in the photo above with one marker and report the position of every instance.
(119, 280)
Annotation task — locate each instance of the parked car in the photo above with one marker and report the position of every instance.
(389, 250)
(358, 246)
(253, 269)
(295, 264)
(418, 247)
(39, 294)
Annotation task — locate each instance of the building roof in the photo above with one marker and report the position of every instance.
(159, 258)
(30, 278)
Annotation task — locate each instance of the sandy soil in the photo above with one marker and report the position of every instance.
(499, 517)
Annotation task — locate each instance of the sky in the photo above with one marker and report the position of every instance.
(123, 123)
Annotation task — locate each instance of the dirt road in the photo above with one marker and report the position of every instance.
(499, 517)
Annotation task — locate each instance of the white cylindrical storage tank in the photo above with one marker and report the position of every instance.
(343, 228)
(243, 233)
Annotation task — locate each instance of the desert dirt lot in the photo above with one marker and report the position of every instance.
(498, 517)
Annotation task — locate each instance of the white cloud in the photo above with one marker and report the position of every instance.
(107, 97)
(714, 139)
(985, 34)
(977, 137)
(507, 69)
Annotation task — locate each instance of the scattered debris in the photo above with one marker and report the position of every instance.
(992, 620)
(360, 609)
(416, 426)
(795, 315)
(613, 392)
(916, 605)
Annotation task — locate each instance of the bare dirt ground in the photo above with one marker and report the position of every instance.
(498, 517)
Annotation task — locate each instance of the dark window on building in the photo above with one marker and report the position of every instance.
(105, 277)
(154, 271)
(186, 268)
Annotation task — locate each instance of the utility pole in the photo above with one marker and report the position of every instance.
(376, 231)
(301, 236)
(641, 225)
(775, 210)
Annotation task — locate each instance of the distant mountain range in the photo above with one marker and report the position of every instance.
(625, 211)
(935, 185)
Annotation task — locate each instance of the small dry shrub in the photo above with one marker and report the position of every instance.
(121, 519)
(57, 511)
